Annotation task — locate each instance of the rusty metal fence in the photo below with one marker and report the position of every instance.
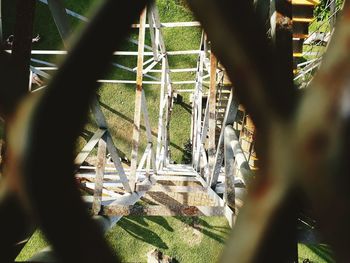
(303, 137)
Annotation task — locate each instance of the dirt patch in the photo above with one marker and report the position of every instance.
(192, 235)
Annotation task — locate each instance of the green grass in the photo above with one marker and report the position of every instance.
(172, 235)
(133, 237)
(35, 244)
(315, 253)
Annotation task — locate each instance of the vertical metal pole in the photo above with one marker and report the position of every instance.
(161, 111)
(212, 111)
(229, 194)
(332, 9)
(138, 97)
(282, 36)
(229, 119)
(199, 107)
(167, 122)
(148, 130)
(100, 169)
(152, 30)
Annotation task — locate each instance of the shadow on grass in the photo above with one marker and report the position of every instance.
(140, 232)
(204, 227)
(161, 222)
(186, 106)
(194, 222)
(86, 134)
(155, 219)
(323, 251)
(121, 115)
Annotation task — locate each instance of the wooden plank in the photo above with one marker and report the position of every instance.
(100, 168)
(172, 189)
(84, 153)
(176, 178)
(138, 101)
(160, 210)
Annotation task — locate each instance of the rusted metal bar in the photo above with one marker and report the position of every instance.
(282, 37)
(212, 112)
(15, 80)
(100, 169)
(138, 98)
(71, 241)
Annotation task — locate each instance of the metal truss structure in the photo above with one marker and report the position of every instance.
(222, 134)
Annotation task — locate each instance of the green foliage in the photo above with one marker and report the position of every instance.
(322, 11)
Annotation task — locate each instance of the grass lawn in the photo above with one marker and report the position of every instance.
(198, 239)
(315, 253)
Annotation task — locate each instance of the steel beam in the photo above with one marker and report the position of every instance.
(138, 98)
